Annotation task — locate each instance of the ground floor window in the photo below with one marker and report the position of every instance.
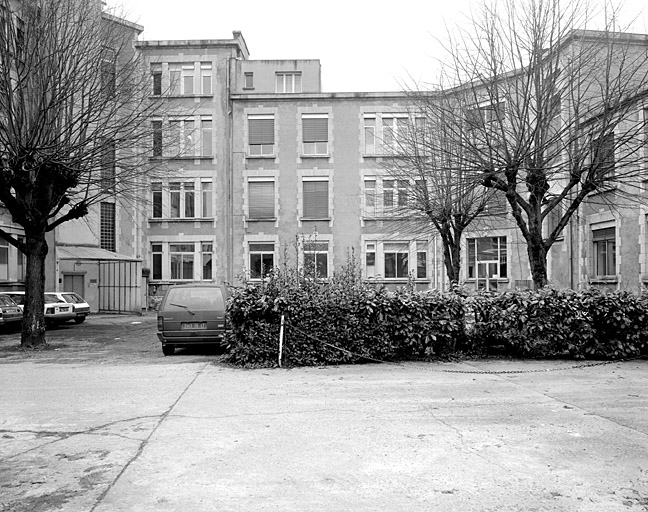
(261, 259)
(316, 259)
(604, 251)
(396, 260)
(182, 261)
(487, 261)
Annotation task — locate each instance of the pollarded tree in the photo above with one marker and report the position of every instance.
(441, 190)
(547, 112)
(73, 119)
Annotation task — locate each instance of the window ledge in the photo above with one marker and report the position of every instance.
(181, 96)
(604, 279)
(265, 219)
(261, 157)
(315, 219)
(197, 157)
(316, 156)
(475, 279)
(181, 219)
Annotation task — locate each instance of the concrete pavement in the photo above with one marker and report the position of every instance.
(195, 435)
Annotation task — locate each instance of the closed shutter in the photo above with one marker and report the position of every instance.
(316, 199)
(604, 234)
(315, 129)
(261, 131)
(262, 200)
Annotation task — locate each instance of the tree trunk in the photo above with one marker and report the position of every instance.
(33, 325)
(538, 262)
(451, 256)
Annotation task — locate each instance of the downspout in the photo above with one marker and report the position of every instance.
(229, 175)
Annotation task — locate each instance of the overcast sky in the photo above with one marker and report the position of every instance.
(363, 45)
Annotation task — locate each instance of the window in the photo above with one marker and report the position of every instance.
(370, 260)
(316, 259)
(394, 128)
(288, 82)
(206, 137)
(174, 199)
(156, 257)
(156, 75)
(206, 77)
(206, 250)
(261, 136)
(156, 199)
(315, 134)
(261, 259)
(107, 226)
(107, 163)
(189, 200)
(4, 260)
(396, 260)
(181, 77)
(480, 117)
(182, 199)
(182, 261)
(108, 71)
(316, 199)
(603, 159)
(261, 199)
(487, 261)
(157, 137)
(370, 135)
(206, 193)
(181, 135)
(370, 197)
(421, 260)
(248, 81)
(389, 191)
(604, 251)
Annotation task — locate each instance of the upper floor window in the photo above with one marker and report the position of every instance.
(181, 138)
(288, 82)
(181, 79)
(316, 199)
(261, 199)
(108, 71)
(604, 251)
(394, 130)
(370, 135)
(156, 76)
(108, 152)
(206, 136)
(156, 127)
(315, 134)
(603, 157)
(261, 135)
(480, 117)
(180, 199)
(206, 77)
(107, 226)
(248, 81)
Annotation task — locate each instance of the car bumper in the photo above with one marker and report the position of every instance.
(60, 318)
(183, 338)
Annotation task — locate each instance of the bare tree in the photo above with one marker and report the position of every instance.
(73, 124)
(546, 112)
(443, 191)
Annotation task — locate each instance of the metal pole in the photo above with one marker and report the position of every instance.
(281, 335)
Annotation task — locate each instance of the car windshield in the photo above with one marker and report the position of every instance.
(72, 298)
(196, 298)
(50, 297)
(5, 300)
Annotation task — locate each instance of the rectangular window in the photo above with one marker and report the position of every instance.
(604, 251)
(189, 200)
(206, 77)
(174, 199)
(316, 259)
(207, 260)
(394, 129)
(182, 261)
(108, 71)
(181, 135)
(316, 199)
(396, 257)
(156, 257)
(487, 258)
(603, 158)
(370, 135)
(261, 200)
(156, 75)
(370, 197)
(389, 192)
(288, 82)
(261, 135)
(315, 134)
(480, 117)
(156, 199)
(206, 137)
(157, 137)
(261, 259)
(421, 260)
(107, 226)
(206, 193)
(370, 261)
(181, 77)
(4, 260)
(403, 188)
(249, 81)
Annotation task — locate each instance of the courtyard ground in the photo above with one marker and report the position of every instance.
(102, 421)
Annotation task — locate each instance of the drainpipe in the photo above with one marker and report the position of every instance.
(229, 175)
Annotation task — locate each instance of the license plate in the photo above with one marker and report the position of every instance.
(193, 325)
(64, 309)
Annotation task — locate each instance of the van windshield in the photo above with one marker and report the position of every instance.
(196, 298)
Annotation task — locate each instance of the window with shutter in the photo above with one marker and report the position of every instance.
(261, 137)
(604, 251)
(261, 200)
(315, 134)
(316, 201)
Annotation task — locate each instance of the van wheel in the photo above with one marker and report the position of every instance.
(168, 350)
(79, 319)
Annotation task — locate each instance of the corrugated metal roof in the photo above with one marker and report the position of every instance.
(80, 252)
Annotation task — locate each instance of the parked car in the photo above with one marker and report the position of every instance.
(192, 314)
(57, 311)
(80, 307)
(10, 312)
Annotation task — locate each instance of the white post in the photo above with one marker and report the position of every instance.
(281, 331)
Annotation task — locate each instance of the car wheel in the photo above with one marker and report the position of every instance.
(79, 319)
(168, 350)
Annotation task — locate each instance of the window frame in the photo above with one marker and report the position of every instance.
(261, 135)
(316, 207)
(605, 239)
(315, 137)
(261, 252)
(291, 82)
(262, 202)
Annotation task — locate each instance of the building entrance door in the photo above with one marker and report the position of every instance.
(74, 283)
(487, 275)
